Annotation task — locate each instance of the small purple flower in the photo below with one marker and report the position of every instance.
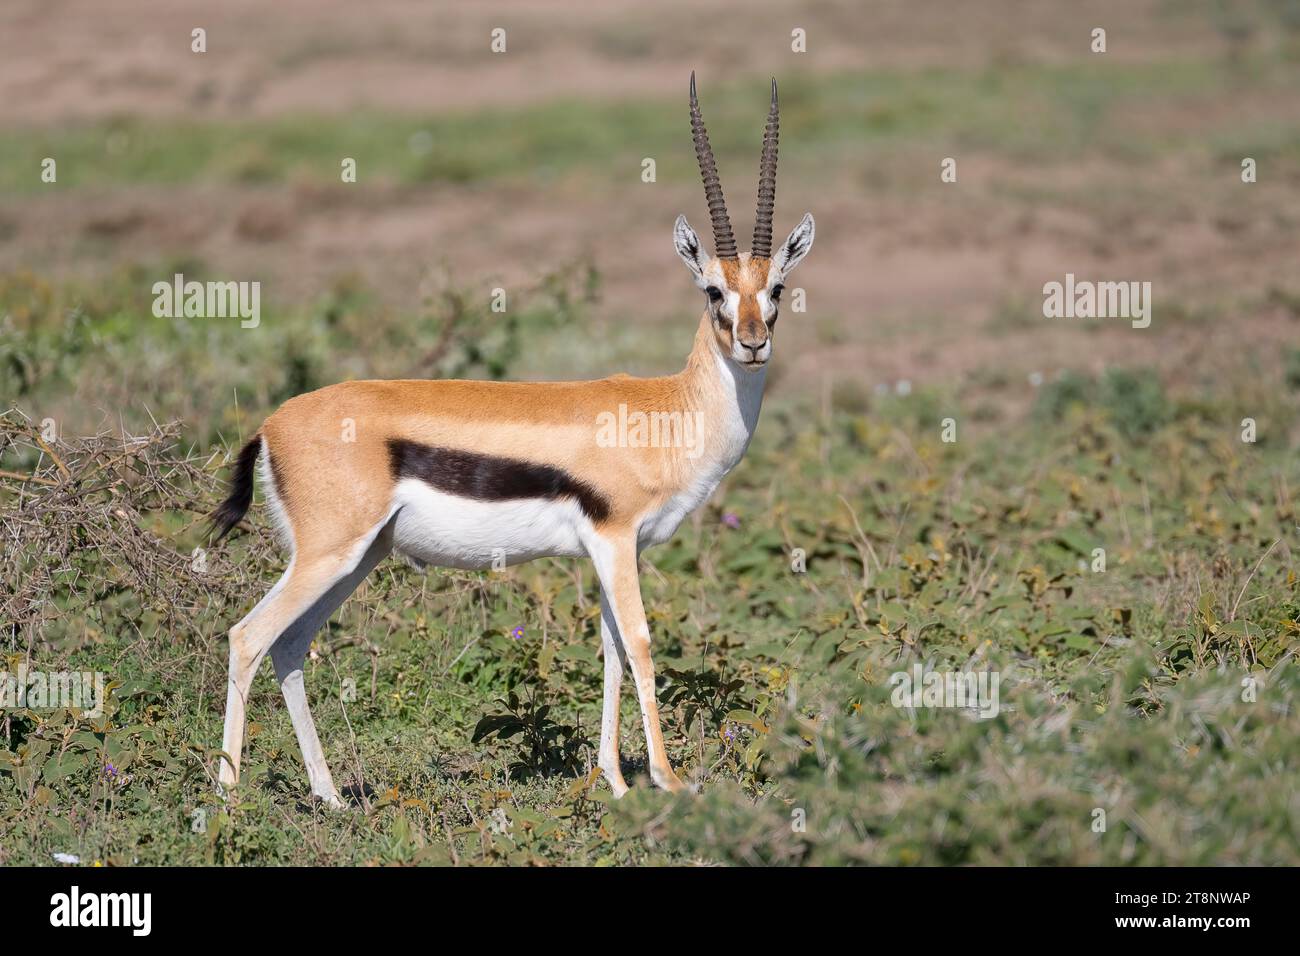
(109, 771)
(518, 632)
(730, 732)
(731, 519)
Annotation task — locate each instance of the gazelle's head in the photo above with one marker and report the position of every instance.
(743, 289)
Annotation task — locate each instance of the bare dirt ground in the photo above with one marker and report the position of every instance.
(906, 282)
(77, 59)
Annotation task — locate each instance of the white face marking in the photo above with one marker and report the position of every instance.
(712, 275)
(730, 308)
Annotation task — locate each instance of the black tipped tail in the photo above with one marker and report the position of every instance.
(236, 504)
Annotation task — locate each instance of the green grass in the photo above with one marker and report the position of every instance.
(1121, 689)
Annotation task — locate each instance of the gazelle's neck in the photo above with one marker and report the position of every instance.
(728, 396)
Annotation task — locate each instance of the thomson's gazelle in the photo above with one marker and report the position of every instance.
(457, 473)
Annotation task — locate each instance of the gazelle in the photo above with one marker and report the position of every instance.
(458, 473)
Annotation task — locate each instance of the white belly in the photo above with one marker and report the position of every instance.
(450, 531)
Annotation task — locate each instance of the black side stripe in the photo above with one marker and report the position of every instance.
(490, 478)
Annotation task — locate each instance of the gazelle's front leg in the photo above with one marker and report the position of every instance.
(615, 559)
(615, 661)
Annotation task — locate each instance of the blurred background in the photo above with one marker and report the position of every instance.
(522, 170)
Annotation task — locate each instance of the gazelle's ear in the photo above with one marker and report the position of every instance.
(796, 245)
(688, 247)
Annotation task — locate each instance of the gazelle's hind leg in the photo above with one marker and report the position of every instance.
(311, 590)
(615, 661)
(290, 651)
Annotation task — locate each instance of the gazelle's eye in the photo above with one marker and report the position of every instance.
(714, 293)
(775, 294)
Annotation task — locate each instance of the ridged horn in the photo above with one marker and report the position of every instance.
(767, 184)
(724, 243)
